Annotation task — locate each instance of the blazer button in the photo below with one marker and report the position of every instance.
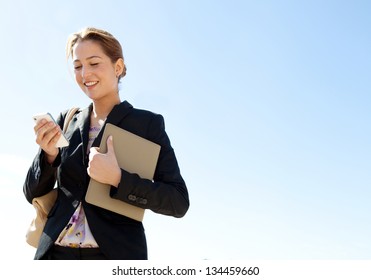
(132, 197)
(139, 200)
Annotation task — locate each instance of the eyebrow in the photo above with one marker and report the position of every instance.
(88, 58)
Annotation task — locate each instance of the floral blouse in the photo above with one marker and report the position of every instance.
(77, 232)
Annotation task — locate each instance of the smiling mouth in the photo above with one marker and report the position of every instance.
(90, 84)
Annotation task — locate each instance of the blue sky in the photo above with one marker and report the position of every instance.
(267, 104)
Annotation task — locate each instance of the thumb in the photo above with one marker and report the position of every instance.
(110, 148)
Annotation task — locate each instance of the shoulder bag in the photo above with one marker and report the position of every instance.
(44, 203)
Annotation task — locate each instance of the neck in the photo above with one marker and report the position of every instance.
(102, 108)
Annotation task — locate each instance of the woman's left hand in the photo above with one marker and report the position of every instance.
(104, 167)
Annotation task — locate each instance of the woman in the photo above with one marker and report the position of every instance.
(76, 229)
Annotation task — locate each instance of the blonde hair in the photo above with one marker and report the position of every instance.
(110, 45)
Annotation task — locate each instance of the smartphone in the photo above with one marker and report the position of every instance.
(62, 141)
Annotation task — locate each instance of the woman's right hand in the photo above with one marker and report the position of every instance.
(47, 135)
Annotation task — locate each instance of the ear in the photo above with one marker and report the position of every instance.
(119, 67)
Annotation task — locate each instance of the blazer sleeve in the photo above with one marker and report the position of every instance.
(167, 194)
(41, 176)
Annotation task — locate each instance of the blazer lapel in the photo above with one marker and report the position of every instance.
(118, 113)
(84, 123)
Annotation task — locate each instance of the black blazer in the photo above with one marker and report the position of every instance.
(118, 237)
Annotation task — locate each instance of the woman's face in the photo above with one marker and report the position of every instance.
(94, 72)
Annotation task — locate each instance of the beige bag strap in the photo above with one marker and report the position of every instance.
(71, 112)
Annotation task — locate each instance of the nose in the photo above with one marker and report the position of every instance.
(85, 73)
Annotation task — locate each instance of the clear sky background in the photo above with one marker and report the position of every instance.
(267, 105)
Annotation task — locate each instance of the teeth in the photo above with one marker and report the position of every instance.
(89, 84)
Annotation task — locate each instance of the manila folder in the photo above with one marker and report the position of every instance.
(135, 155)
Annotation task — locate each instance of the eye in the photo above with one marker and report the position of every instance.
(77, 67)
(94, 64)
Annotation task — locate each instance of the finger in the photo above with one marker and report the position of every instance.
(39, 124)
(46, 133)
(89, 171)
(110, 148)
(93, 151)
(44, 128)
(52, 136)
